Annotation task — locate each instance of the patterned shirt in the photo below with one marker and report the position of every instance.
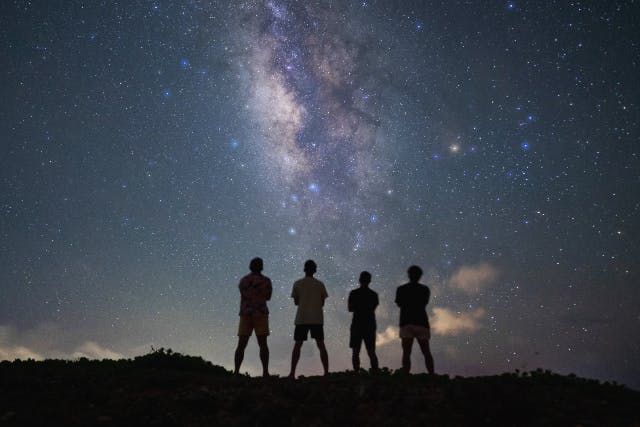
(255, 291)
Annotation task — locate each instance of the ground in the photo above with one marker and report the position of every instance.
(168, 389)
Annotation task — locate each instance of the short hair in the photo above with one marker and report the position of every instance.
(365, 277)
(415, 273)
(256, 265)
(310, 266)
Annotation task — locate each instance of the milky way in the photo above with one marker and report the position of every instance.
(150, 150)
(309, 94)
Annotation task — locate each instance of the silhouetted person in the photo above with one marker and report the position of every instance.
(309, 294)
(363, 302)
(412, 298)
(255, 291)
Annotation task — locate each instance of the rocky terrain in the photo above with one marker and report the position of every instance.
(168, 389)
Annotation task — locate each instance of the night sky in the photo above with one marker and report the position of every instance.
(149, 150)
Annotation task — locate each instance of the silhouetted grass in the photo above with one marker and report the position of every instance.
(167, 388)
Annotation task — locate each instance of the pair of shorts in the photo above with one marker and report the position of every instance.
(301, 331)
(248, 324)
(415, 331)
(359, 334)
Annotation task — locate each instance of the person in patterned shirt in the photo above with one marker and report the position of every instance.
(255, 291)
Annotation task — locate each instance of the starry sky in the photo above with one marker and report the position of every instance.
(150, 149)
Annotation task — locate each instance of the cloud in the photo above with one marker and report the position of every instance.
(388, 335)
(472, 279)
(11, 353)
(47, 341)
(448, 322)
(92, 350)
(443, 322)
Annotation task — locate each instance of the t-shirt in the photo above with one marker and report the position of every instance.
(255, 291)
(311, 294)
(363, 303)
(412, 298)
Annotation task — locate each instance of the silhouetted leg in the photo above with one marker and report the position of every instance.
(428, 358)
(373, 358)
(355, 355)
(264, 354)
(295, 356)
(324, 357)
(407, 343)
(242, 344)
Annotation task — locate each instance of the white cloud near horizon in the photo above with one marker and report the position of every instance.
(25, 346)
(472, 279)
(444, 322)
(93, 350)
(448, 322)
(11, 353)
(89, 349)
(391, 334)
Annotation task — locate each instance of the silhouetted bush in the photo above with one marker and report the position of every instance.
(168, 388)
(168, 359)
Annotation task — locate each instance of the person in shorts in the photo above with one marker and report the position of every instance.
(362, 303)
(255, 291)
(309, 294)
(412, 298)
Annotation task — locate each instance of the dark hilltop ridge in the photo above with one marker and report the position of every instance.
(164, 388)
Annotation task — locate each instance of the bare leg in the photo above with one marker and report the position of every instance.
(428, 358)
(264, 354)
(239, 356)
(295, 356)
(324, 357)
(407, 343)
(373, 358)
(355, 356)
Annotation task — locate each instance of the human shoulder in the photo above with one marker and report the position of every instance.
(404, 287)
(311, 282)
(265, 281)
(295, 290)
(245, 279)
(357, 293)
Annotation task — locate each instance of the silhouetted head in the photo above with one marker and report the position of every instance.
(415, 273)
(365, 278)
(256, 265)
(310, 267)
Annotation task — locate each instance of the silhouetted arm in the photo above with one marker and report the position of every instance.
(294, 295)
(269, 290)
(398, 301)
(350, 302)
(324, 294)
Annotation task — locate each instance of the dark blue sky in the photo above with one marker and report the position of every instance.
(149, 150)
